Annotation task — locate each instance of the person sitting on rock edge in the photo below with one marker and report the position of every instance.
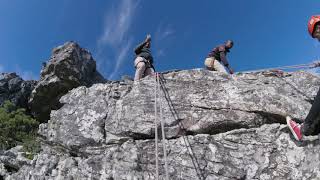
(217, 60)
(144, 60)
(311, 125)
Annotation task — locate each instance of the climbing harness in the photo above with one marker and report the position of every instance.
(299, 66)
(158, 96)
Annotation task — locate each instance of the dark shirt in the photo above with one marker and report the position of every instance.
(220, 53)
(142, 51)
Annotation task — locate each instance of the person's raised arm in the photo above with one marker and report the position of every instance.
(137, 50)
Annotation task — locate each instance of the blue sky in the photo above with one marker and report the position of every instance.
(267, 33)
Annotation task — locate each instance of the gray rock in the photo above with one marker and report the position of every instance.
(13, 88)
(200, 102)
(12, 160)
(267, 152)
(218, 127)
(70, 66)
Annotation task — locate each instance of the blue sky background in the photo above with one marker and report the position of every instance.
(267, 33)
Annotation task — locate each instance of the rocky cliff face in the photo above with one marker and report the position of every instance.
(218, 127)
(70, 66)
(13, 88)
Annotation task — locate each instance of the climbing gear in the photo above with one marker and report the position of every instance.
(158, 87)
(295, 129)
(185, 138)
(279, 73)
(148, 63)
(299, 66)
(163, 133)
(140, 60)
(312, 22)
(157, 96)
(156, 129)
(309, 99)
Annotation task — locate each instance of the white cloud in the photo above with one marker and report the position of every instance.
(160, 52)
(117, 23)
(163, 32)
(115, 35)
(25, 74)
(121, 55)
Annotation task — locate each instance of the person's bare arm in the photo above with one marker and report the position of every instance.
(225, 62)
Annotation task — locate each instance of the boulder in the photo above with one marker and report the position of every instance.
(13, 88)
(70, 66)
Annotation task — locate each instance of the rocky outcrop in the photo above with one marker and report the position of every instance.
(12, 160)
(13, 88)
(218, 127)
(70, 66)
(194, 102)
(265, 153)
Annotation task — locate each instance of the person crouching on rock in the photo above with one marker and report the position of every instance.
(311, 125)
(217, 58)
(144, 60)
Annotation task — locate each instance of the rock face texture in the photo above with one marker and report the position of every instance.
(70, 66)
(217, 126)
(15, 89)
(12, 160)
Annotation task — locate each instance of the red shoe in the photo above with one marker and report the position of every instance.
(295, 129)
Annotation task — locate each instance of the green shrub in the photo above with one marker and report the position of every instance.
(17, 128)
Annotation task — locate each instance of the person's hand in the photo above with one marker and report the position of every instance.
(148, 38)
(231, 71)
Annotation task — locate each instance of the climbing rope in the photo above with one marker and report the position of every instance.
(156, 129)
(299, 66)
(163, 133)
(185, 138)
(309, 99)
(159, 84)
(157, 95)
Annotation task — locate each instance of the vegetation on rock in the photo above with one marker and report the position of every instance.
(17, 128)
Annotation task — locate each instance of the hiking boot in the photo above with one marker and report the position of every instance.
(295, 129)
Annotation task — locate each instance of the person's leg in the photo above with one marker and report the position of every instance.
(140, 68)
(148, 71)
(208, 63)
(312, 122)
(219, 67)
(311, 125)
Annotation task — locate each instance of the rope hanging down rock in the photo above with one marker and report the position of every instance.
(157, 95)
(190, 151)
(156, 129)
